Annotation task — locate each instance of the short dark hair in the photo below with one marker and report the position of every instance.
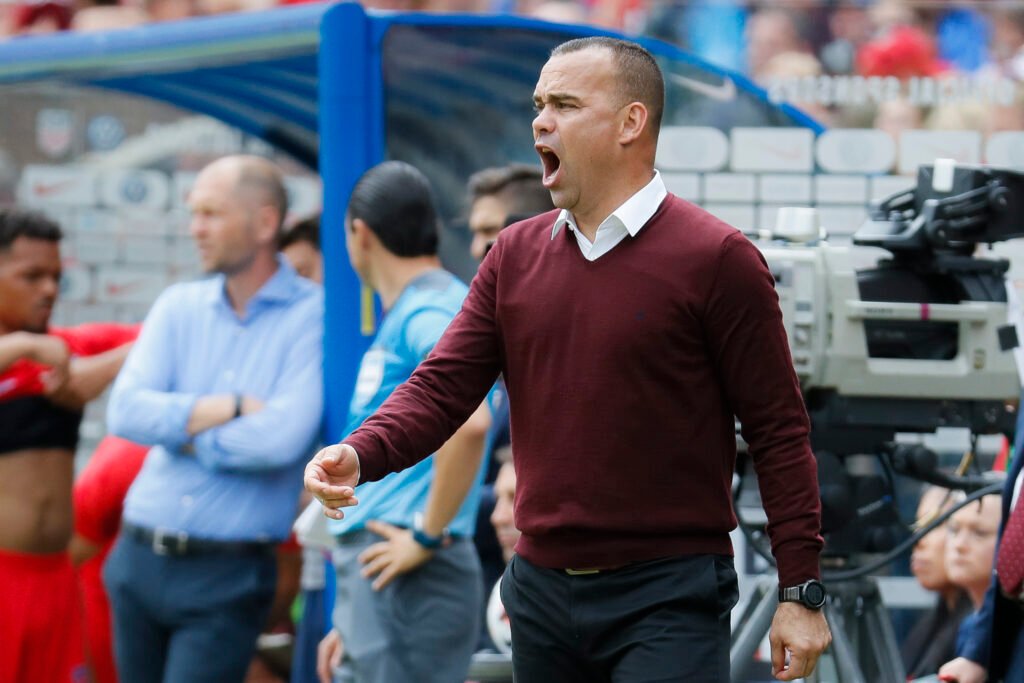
(15, 223)
(639, 76)
(519, 186)
(306, 230)
(261, 175)
(394, 199)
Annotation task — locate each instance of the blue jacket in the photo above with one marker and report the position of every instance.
(998, 614)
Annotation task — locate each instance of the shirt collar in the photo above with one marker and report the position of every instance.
(280, 287)
(633, 214)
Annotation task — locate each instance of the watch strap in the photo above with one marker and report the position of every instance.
(791, 594)
(426, 540)
(799, 594)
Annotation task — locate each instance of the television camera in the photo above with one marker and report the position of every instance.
(903, 331)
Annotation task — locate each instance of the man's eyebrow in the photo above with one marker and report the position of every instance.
(557, 97)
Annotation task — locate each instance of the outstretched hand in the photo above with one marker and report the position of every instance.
(803, 634)
(332, 476)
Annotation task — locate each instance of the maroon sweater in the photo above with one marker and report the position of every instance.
(623, 376)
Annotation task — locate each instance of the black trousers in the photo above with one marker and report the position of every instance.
(660, 621)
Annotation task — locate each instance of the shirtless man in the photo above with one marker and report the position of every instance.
(46, 377)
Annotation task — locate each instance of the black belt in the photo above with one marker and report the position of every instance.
(164, 542)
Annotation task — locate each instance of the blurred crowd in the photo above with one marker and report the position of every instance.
(949, 46)
(902, 38)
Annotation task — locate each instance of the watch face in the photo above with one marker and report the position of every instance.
(814, 593)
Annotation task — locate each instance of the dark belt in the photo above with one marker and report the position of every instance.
(177, 543)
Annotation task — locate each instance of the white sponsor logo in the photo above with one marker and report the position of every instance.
(722, 92)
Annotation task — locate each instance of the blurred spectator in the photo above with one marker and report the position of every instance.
(710, 29)
(970, 554)
(962, 33)
(886, 15)
(47, 375)
(171, 10)
(991, 646)
(850, 27)
(772, 32)
(106, 15)
(225, 385)
(932, 640)
(406, 549)
(46, 16)
(99, 493)
(300, 245)
(1007, 46)
(904, 52)
(500, 196)
(971, 545)
(504, 526)
(560, 12)
(503, 517)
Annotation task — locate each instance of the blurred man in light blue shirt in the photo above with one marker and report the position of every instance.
(225, 384)
(408, 588)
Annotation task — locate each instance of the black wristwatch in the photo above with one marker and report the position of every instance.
(810, 594)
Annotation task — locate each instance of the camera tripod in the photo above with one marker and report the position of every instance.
(863, 646)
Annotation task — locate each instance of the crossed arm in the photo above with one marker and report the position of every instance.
(69, 382)
(148, 405)
(41, 348)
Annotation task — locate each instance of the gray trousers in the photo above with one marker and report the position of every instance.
(422, 628)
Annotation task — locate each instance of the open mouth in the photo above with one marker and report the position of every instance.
(552, 164)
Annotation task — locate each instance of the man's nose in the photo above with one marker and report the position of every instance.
(542, 122)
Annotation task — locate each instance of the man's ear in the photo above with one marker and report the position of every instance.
(634, 122)
(361, 233)
(268, 219)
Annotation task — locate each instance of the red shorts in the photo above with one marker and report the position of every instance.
(40, 619)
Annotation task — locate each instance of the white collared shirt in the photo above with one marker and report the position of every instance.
(625, 220)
